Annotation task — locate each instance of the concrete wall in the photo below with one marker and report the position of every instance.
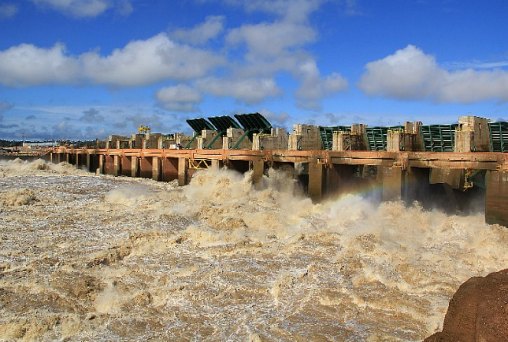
(305, 137)
(276, 140)
(472, 135)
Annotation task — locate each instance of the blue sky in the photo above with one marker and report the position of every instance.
(81, 69)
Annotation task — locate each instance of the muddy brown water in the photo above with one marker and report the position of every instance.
(98, 258)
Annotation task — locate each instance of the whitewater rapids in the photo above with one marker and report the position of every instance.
(99, 258)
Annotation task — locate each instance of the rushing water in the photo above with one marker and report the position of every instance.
(85, 257)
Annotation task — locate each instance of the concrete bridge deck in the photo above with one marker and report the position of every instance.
(409, 176)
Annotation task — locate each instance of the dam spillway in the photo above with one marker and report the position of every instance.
(408, 176)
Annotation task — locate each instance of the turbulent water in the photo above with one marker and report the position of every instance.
(85, 257)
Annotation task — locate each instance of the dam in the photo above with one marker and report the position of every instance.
(445, 166)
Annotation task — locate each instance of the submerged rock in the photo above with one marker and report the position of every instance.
(478, 311)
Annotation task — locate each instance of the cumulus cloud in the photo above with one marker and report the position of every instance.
(8, 10)
(271, 39)
(143, 62)
(179, 98)
(251, 91)
(85, 8)
(279, 45)
(201, 33)
(28, 65)
(313, 87)
(140, 62)
(91, 115)
(410, 74)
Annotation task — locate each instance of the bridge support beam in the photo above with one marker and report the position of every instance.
(156, 168)
(182, 171)
(134, 166)
(116, 166)
(392, 179)
(88, 163)
(100, 168)
(215, 164)
(316, 180)
(258, 168)
(496, 198)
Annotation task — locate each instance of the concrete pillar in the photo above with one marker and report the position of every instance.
(88, 162)
(100, 169)
(316, 178)
(215, 164)
(258, 168)
(182, 171)
(77, 161)
(51, 157)
(68, 157)
(496, 197)
(134, 166)
(116, 166)
(156, 168)
(391, 178)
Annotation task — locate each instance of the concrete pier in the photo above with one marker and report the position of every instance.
(496, 197)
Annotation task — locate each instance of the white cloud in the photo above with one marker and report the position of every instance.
(410, 74)
(250, 91)
(293, 10)
(313, 87)
(179, 98)
(77, 8)
(271, 39)
(140, 62)
(28, 65)
(144, 62)
(272, 47)
(8, 10)
(201, 33)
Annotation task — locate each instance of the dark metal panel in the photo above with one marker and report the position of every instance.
(222, 123)
(199, 124)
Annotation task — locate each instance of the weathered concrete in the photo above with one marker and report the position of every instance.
(316, 180)
(392, 182)
(100, 167)
(215, 164)
(134, 166)
(182, 171)
(258, 168)
(496, 197)
(156, 168)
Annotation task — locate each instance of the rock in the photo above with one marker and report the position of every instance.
(478, 311)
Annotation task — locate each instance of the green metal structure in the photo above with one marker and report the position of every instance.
(439, 138)
(498, 136)
(198, 125)
(221, 123)
(326, 133)
(376, 137)
(252, 123)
